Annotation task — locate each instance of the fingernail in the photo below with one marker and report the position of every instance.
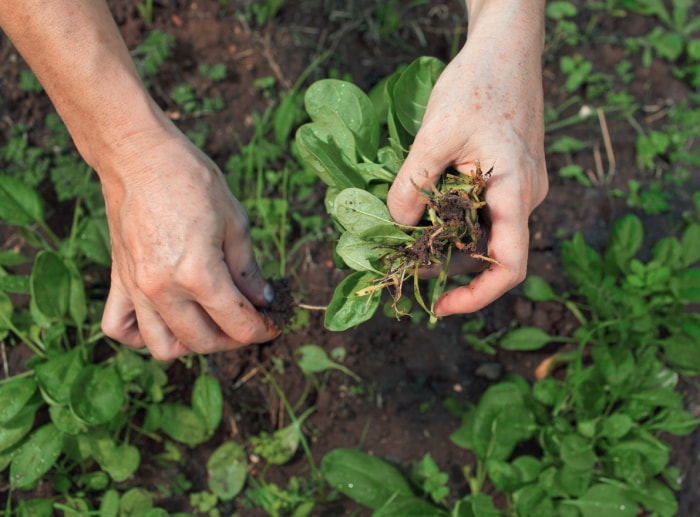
(268, 293)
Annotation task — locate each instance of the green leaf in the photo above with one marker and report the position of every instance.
(19, 204)
(109, 505)
(65, 420)
(314, 359)
(533, 500)
(607, 500)
(135, 502)
(227, 469)
(35, 457)
(322, 154)
(12, 432)
(413, 507)
(504, 476)
(336, 104)
(97, 394)
(358, 211)
(386, 235)
(348, 309)
(208, 401)
(616, 426)
(538, 289)
(690, 243)
(6, 309)
(525, 338)
(93, 240)
(182, 424)
(56, 375)
(626, 240)
(655, 497)
(577, 452)
(476, 505)
(359, 254)
(501, 421)
(120, 461)
(50, 285)
(412, 91)
(15, 393)
(280, 447)
(365, 479)
(35, 508)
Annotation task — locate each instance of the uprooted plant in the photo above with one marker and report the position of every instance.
(342, 145)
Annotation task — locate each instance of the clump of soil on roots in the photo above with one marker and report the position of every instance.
(453, 208)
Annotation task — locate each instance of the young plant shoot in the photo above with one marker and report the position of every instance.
(343, 144)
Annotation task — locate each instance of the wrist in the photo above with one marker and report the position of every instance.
(502, 21)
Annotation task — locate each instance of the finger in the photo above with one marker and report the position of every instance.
(421, 168)
(245, 272)
(161, 341)
(508, 244)
(230, 310)
(119, 317)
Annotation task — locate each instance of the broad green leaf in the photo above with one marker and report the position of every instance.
(359, 254)
(525, 338)
(65, 420)
(413, 507)
(538, 289)
(19, 204)
(333, 102)
(682, 352)
(675, 421)
(476, 505)
(528, 466)
(56, 375)
(120, 461)
(655, 497)
(690, 285)
(93, 240)
(626, 240)
(616, 426)
(387, 235)
(227, 469)
(77, 300)
(577, 452)
(412, 91)
(314, 359)
(375, 172)
(135, 502)
(6, 309)
(182, 424)
(97, 394)
(14, 395)
(654, 452)
(501, 421)
(533, 500)
(504, 476)
(605, 500)
(13, 431)
(365, 479)
(50, 285)
(616, 363)
(36, 456)
(35, 508)
(358, 210)
(15, 284)
(399, 139)
(109, 505)
(12, 258)
(347, 308)
(325, 158)
(691, 244)
(208, 401)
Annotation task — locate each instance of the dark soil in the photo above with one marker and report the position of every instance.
(407, 369)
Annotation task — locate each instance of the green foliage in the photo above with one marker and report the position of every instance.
(153, 51)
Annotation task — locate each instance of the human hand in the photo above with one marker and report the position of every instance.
(486, 106)
(184, 278)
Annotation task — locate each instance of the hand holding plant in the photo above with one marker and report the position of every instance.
(486, 106)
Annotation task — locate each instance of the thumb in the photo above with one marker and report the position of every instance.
(246, 273)
(420, 170)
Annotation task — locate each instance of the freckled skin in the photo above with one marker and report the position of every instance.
(486, 106)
